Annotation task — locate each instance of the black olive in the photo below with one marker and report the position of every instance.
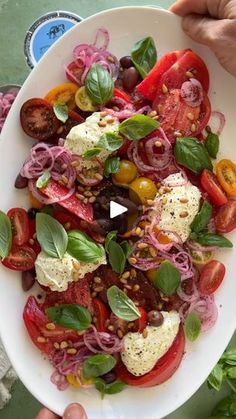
(130, 78)
(106, 224)
(121, 223)
(109, 377)
(126, 62)
(155, 318)
(32, 213)
(131, 206)
(28, 279)
(21, 182)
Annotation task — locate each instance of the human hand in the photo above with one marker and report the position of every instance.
(212, 23)
(73, 411)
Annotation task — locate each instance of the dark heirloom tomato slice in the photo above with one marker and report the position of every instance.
(163, 370)
(211, 185)
(36, 321)
(72, 204)
(101, 314)
(38, 119)
(21, 258)
(212, 275)
(76, 293)
(225, 219)
(148, 87)
(20, 225)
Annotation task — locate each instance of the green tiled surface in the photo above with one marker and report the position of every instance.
(15, 19)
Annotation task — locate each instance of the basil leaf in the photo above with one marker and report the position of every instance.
(210, 239)
(5, 235)
(229, 357)
(112, 388)
(231, 373)
(61, 111)
(202, 219)
(110, 141)
(92, 152)
(82, 248)
(192, 327)
(144, 55)
(51, 235)
(43, 180)
(226, 406)
(212, 144)
(167, 278)
(138, 126)
(127, 249)
(48, 209)
(190, 153)
(97, 365)
(215, 378)
(112, 165)
(117, 257)
(110, 236)
(121, 305)
(71, 316)
(99, 85)
(222, 417)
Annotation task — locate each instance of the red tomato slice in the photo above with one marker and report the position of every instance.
(76, 293)
(163, 370)
(73, 72)
(122, 95)
(38, 119)
(72, 204)
(174, 114)
(141, 323)
(68, 220)
(101, 314)
(212, 275)
(20, 225)
(148, 86)
(225, 219)
(21, 258)
(36, 321)
(211, 185)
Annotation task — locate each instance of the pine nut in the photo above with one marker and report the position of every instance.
(183, 200)
(130, 325)
(71, 351)
(189, 74)
(142, 246)
(41, 339)
(164, 89)
(145, 333)
(88, 193)
(183, 214)
(67, 225)
(150, 202)
(193, 127)
(190, 116)
(158, 143)
(138, 231)
(111, 328)
(98, 289)
(79, 196)
(64, 345)
(136, 287)
(102, 124)
(120, 333)
(152, 252)
(152, 114)
(31, 241)
(98, 176)
(50, 326)
(123, 280)
(64, 179)
(97, 280)
(103, 113)
(110, 120)
(132, 260)
(56, 345)
(92, 199)
(126, 275)
(76, 265)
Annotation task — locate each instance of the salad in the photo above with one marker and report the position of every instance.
(119, 296)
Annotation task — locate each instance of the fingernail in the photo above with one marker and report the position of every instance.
(75, 411)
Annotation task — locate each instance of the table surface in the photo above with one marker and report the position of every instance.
(15, 19)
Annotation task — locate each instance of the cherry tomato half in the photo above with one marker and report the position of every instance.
(225, 219)
(226, 175)
(142, 189)
(163, 370)
(21, 258)
(38, 119)
(63, 93)
(20, 225)
(73, 72)
(126, 174)
(101, 314)
(141, 322)
(212, 275)
(211, 185)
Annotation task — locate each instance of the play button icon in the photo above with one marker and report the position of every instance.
(116, 209)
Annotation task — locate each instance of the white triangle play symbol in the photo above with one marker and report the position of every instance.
(116, 209)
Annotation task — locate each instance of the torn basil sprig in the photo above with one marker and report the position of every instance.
(121, 305)
(5, 235)
(144, 55)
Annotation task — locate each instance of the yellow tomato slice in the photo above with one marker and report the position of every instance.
(226, 175)
(72, 381)
(34, 202)
(63, 93)
(83, 101)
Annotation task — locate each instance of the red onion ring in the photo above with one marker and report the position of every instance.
(198, 247)
(221, 120)
(6, 102)
(192, 92)
(206, 309)
(102, 342)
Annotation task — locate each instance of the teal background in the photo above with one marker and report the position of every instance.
(15, 19)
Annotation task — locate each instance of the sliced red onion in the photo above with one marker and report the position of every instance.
(192, 92)
(198, 247)
(6, 101)
(188, 298)
(56, 160)
(220, 122)
(127, 111)
(102, 37)
(59, 380)
(206, 309)
(102, 342)
(160, 161)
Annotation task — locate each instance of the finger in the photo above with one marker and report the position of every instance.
(218, 9)
(75, 411)
(46, 414)
(201, 29)
(185, 7)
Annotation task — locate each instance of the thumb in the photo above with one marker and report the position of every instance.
(75, 411)
(201, 29)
